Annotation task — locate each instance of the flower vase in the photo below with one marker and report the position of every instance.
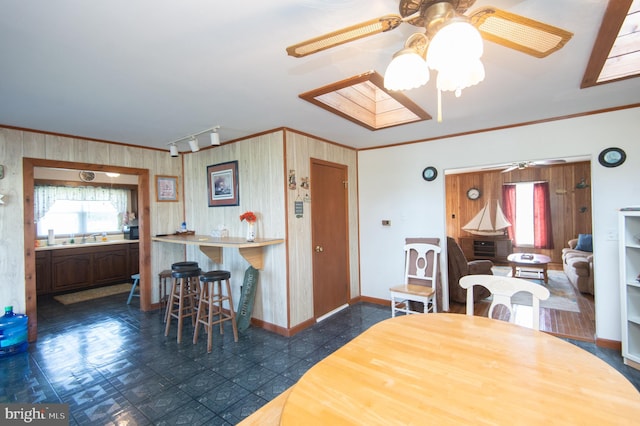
(251, 231)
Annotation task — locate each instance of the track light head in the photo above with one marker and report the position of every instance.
(193, 144)
(173, 149)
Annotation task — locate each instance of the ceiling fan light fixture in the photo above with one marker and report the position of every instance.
(456, 43)
(112, 174)
(458, 77)
(408, 68)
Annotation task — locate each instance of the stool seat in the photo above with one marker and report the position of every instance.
(183, 265)
(186, 273)
(136, 280)
(215, 276)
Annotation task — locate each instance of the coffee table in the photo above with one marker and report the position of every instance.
(527, 262)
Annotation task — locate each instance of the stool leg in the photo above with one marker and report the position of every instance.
(183, 284)
(133, 289)
(210, 303)
(167, 315)
(220, 299)
(232, 313)
(200, 312)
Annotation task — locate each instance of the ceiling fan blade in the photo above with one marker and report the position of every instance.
(518, 32)
(345, 35)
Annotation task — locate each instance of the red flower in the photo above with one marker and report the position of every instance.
(248, 216)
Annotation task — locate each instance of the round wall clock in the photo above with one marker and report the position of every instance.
(87, 176)
(429, 173)
(473, 193)
(612, 157)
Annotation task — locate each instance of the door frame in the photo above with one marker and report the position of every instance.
(144, 221)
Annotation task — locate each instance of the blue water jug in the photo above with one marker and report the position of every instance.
(13, 332)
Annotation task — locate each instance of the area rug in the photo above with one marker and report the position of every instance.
(563, 295)
(94, 293)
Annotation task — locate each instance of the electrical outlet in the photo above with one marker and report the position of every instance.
(612, 234)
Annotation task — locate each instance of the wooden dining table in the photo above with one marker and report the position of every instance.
(457, 369)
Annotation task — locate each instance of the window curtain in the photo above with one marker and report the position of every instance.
(542, 232)
(46, 195)
(509, 209)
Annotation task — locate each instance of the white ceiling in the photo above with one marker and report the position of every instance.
(148, 72)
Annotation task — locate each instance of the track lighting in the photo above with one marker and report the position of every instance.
(193, 144)
(193, 140)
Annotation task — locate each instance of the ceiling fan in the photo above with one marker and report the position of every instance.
(507, 29)
(521, 165)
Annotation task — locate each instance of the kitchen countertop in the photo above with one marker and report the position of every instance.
(87, 244)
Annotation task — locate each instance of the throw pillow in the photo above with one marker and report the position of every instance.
(585, 242)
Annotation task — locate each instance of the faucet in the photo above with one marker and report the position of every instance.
(84, 238)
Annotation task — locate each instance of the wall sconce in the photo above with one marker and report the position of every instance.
(173, 149)
(193, 144)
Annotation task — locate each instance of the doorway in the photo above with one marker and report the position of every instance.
(30, 230)
(570, 199)
(330, 237)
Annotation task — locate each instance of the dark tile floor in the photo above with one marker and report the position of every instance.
(113, 365)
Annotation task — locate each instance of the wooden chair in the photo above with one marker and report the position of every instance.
(502, 288)
(420, 272)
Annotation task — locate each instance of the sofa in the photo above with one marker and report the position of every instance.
(577, 263)
(458, 267)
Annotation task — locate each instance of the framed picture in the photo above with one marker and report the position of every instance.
(222, 184)
(166, 188)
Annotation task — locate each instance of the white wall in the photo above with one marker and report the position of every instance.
(391, 187)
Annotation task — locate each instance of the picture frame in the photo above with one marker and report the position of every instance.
(222, 184)
(166, 188)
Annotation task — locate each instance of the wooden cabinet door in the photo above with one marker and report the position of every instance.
(43, 272)
(69, 271)
(111, 266)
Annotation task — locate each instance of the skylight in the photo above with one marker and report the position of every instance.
(616, 52)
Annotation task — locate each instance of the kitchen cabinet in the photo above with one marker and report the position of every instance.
(81, 267)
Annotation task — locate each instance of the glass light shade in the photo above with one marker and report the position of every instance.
(458, 77)
(173, 149)
(455, 43)
(406, 71)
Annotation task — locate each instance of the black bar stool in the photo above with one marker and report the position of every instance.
(182, 300)
(210, 305)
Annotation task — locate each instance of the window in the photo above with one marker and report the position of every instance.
(527, 206)
(524, 213)
(79, 210)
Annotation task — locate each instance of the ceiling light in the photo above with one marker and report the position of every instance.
(455, 50)
(193, 144)
(215, 136)
(173, 149)
(408, 68)
(112, 175)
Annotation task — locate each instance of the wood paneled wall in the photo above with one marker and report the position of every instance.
(570, 204)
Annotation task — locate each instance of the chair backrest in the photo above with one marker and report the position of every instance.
(502, 288)
(421, 263)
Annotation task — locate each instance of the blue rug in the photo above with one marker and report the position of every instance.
(563, 294)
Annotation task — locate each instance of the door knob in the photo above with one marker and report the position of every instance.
(319, 249)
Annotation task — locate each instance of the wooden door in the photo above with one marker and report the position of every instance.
(330, 241)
